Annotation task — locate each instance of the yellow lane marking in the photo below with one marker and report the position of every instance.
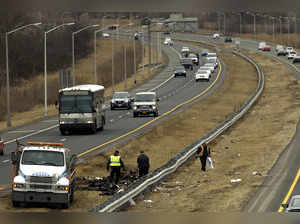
(152, 121)
(288, 195)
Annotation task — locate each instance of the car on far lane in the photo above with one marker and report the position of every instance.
(205, 69)
(267, 48)
(228, 39)
(213, 60)
(293, 205)
(292, 54)
(201, 75)
(105, 35)
(168, 41)
(1, 147)
(204, 52)
(289, 49)
(261, 45)
(281, 51)
(216, 36)
(179, 71)
(210, 67)
(296, 59)
(185, 50)
(121, 100)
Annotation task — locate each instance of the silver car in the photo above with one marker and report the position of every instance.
(294, 205)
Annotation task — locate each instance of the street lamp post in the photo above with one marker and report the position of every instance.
(95, 54)
(288, 38)
(254, 23)
(7, 69)
(73, 49)
(273, 21)
(45, 61)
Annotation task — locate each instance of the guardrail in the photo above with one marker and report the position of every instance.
(152, 179)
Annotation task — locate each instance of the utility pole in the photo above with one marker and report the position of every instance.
(113, 64)
(125, 67)
(149, 46)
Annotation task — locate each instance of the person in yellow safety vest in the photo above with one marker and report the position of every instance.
(115, 164)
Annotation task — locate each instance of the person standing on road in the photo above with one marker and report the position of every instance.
(143, 164)
(115, 163)
(203, 152)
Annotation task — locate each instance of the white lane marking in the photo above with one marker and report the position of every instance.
(120, 116)
(21, 131)
(128, 113)
(112, 120)
(50, 121)
(5, 161)
(29, 135)
(62, 140)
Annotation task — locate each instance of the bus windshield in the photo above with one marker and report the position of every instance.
(76, 104)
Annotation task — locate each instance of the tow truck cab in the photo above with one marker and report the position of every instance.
(43, 173)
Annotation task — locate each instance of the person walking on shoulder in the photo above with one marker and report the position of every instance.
(203, 152)
(143, 164)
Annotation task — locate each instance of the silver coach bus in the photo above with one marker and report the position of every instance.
(81, 108)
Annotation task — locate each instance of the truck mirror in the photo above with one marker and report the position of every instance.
(14, 158)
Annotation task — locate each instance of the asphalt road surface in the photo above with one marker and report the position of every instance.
(120, 122)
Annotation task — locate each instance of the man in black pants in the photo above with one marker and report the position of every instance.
(143, 164)
(115, 163)
(203, 152)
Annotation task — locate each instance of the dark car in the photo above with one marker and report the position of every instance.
(228, 40)
(296, 59)
(179, 71)
(121, 100)
(166, 33)
(1, 147)
(204, 52)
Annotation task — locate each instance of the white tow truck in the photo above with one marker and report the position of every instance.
(43, 173)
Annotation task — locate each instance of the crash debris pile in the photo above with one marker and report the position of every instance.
(104, 184)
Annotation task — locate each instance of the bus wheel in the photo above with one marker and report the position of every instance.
(63, 132)
(94, 128)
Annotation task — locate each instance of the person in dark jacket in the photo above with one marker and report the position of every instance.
(143, 164)
(115, 163)
(203, 152)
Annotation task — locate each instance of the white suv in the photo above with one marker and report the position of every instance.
(145, 103)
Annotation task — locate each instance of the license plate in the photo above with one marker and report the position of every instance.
(144, 112)
(75, 120)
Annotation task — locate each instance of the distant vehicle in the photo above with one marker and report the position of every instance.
(216, 36)
(113, 27)
(261, 45)
(106, 35)
(278, 48)
(294, 205)
(81, 108)
(179, 71)
(185, 50)
(228, 40)
(292, 54)
(213, 60)
(121, 100)
(194, 58)
(202, 75)
(136, 36)
(145, 103)
(209, 66)
(166, 33)
(187, 63)
(205, 69)
(1, 147)
(289, 49)
(43, 173)
(204, 52)
(267, 48)
(296, 59)
(168, 41)
(281, 51)
(211, 55)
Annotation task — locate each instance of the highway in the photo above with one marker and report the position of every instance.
(120, 124)
(282, 181)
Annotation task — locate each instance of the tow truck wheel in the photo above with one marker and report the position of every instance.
(16, 204)
(63, 132)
